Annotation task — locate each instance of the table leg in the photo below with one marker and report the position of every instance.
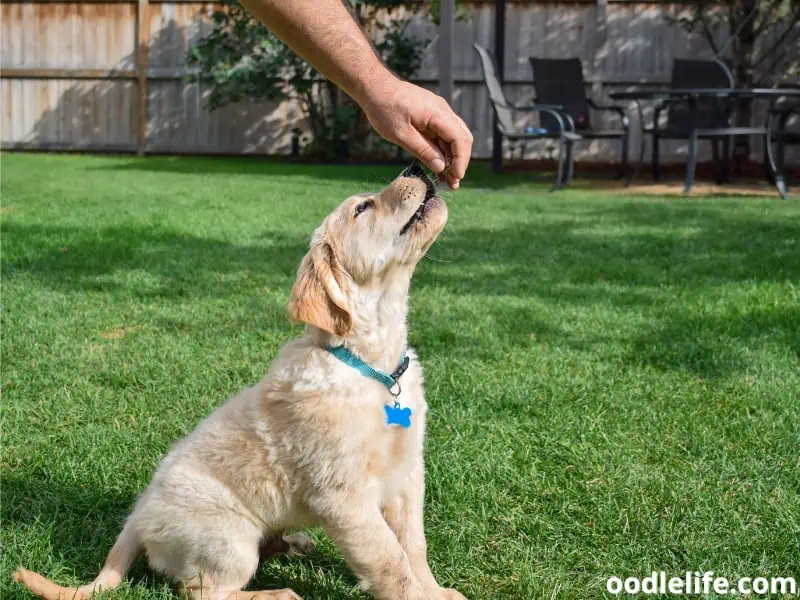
(691, 165)
(692, 162)
(633, 172)
(715, 143)
(774, 168)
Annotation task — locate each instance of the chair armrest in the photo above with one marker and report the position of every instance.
(535, 106)
(665, 103)
(780, 115)
(552, 109)
(659, 107)
(611, 108)
(549, 108)
(785, 109)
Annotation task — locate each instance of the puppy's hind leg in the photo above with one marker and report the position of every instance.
(218, 560)
(295, 544)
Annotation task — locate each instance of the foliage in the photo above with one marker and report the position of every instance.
(760, 42)
(241, 60)
(761, 36)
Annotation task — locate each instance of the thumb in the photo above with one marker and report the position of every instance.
(424, 149)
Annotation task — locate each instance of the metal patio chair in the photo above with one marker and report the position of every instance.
(707, 116)
(560, 81)
(559, 126)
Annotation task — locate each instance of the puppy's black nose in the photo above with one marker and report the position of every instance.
(414, 170)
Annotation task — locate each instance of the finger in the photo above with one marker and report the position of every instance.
(449, 172)
(424, 149)
(452, 130)
(463, 125)
(447, 176)
(448, 158)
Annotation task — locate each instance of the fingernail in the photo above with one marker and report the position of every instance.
(437, 165)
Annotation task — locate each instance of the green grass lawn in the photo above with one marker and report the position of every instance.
(614, 382)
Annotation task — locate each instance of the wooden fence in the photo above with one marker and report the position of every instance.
(110, 75)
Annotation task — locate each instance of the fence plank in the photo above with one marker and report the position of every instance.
(142, 58)
(61, 73)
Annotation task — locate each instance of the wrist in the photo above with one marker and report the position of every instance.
(374, 86)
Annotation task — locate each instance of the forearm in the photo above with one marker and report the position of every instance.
(325, 34)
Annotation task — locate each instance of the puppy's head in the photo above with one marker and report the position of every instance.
(368, 243)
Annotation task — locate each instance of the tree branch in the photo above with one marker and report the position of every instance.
(709, 34)
(792, 31)
(766, 22)
(775, 61)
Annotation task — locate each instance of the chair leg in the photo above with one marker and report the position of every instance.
(715, 143)
(624, 167)
(768, 174)
(776, 162)
(570, 160)
(656, 166)
(780, 158)
(726, 159)
(691, 164)
(560, 171)
(498, 168)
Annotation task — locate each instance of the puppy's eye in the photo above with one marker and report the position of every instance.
(364, 206)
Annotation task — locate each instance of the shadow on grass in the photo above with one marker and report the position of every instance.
(253, 165)
(635, 257)
(716, 345)
(642, 247)
(175, 264)
(82, 524)
(480, 173)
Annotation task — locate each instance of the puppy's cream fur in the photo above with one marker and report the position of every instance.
(308, 444)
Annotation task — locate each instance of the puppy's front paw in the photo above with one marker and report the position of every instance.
(450, 594)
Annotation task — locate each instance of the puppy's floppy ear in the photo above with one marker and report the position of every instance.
(317, 296)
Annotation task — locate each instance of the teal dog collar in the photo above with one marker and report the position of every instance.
(390, 380)
(395, 413)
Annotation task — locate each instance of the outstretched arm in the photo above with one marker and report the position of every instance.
(325, 34)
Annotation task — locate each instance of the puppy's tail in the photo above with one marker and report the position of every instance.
(119, 560)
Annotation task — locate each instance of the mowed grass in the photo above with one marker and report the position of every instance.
(614, 382)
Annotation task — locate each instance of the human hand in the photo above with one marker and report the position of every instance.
(422, 123)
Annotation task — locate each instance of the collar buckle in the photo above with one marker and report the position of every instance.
(390, 381)
(402, 368)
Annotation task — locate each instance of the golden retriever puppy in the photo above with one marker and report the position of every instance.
(333, 434)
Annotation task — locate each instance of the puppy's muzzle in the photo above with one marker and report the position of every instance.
(416, 170)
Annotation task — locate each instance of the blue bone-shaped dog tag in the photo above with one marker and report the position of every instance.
(397, 415)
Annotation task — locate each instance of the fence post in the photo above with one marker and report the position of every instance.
(600, 49)
(500, 60)
(142, 62)
(447, 16)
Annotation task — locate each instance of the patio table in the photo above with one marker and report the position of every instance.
(692, 96)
